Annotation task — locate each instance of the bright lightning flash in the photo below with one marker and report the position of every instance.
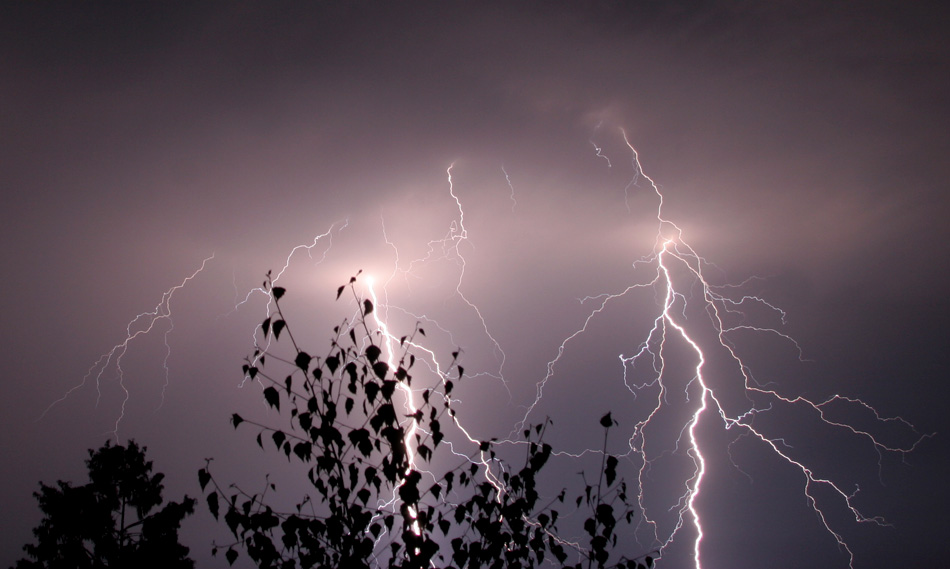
(677, 271)
(676, 276)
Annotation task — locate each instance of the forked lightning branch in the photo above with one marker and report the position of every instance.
(677, 275)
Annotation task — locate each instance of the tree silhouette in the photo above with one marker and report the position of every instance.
(367, 438)
(112, 521)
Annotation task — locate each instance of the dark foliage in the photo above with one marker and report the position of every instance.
(112, 521)
(380, 498)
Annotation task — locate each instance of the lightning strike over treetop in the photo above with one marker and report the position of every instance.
(676, 238)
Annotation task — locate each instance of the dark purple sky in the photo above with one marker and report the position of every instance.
(803, 142)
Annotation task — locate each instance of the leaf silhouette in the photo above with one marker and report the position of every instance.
(272, 397)
(213, 504)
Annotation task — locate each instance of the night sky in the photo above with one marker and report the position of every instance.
(804, 143)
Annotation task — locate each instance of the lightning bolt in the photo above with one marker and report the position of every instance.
(597, 148)
(693, 316)
(511, 187)
(309, 249)
(677, 271)
(325, 239)
(448, 248)
(412, 438)
(141, 325)
(677, 277)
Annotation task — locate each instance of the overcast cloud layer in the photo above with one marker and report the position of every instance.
(804, 142)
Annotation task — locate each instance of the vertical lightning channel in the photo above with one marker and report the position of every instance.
(511, 186)
(409, 402)
(598, 150)
(677, 275)
(447, 248)
(409, 398)
(694, 484)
